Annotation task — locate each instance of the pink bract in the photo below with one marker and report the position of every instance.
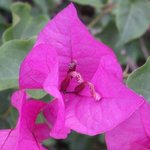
(27, 134)
(83, 75)
(134, 133)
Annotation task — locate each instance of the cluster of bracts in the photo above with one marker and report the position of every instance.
(86, 81)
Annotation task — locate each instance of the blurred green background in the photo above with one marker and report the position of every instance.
(124, 25)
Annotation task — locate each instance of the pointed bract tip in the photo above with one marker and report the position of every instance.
(72, 5)
(71, 9)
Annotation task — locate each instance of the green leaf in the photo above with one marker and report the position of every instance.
(43, 5)
(24, 25)
(78, 141)
(139, 80)
(4, 124)
(3, 27)
(82, 142)
(110, 35)
(94, 3)
(37, 94)
(13, 117)
(131, 49)
(2, 20)
(49, 142)
(133, 18)
(5, 4)
(5, 101)
(11, 55)
(116, 1)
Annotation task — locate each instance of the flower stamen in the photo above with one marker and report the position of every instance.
(72, 66)
(72, 73)
(96, 95)
(93, 92)
(76, 75)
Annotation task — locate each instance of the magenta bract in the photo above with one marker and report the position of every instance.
(82, 74)
(134, 133)
(27, 134)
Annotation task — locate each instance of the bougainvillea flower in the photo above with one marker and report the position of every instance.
(83, 75)
(23, 136)
(134, 133)
(41, 58)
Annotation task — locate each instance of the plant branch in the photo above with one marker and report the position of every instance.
(105, 10)
(131, 63)
(143, 48)
(125, 73)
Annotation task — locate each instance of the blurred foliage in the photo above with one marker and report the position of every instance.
(132, 19)
(124, 25)
(139, 80)
(94, 3)
(23, 26)
(37, 94)
(11, 55)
